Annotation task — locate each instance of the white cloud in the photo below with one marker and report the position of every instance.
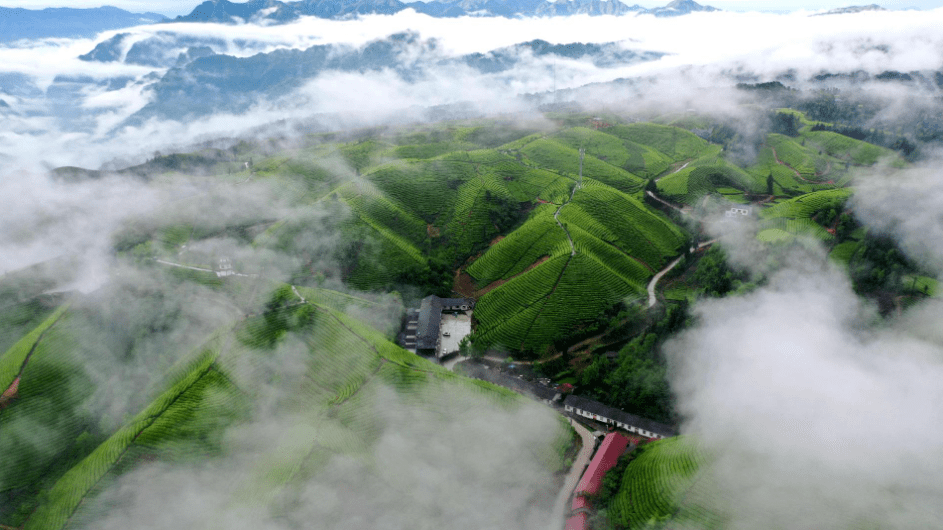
(815, 414)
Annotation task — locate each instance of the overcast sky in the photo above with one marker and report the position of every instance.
(181, 7)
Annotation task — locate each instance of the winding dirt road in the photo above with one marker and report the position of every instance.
(558, 516)
(652, 299)
(668, 204)
(686, 164)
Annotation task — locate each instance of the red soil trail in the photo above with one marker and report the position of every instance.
(794, 170)
(464, 284)
(10, 393)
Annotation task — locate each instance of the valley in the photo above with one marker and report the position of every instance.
(509, 264)
(565, 224)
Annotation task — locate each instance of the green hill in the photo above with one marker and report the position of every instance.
(662, 486)
(635, 158)
(674, 142)
(706, 175)
(798, 216)
(339, 372)
(552, 288)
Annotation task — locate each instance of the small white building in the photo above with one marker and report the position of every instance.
(739, 212)
(224, 268)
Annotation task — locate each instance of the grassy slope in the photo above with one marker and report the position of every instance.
(854, 151)
(675, 143)
(795, 216)
(635, 158)
(619, 244)
(346, 365)
(662, 485)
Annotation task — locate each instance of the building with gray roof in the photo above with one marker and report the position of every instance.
(430, 320)
(533, 390)
(595, 410)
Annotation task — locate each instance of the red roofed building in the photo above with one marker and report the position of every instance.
(580, 502)
(579, 521)
(611, 448)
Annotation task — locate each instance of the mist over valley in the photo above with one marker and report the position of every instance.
(532, 265)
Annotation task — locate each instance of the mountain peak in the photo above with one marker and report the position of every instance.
(680, 7)
(852, 9)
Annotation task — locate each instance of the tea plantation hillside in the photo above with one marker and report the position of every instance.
(321, 383)
(245, 329)
(546, 252)
(662, 486)
(412, 208)
(617, 245)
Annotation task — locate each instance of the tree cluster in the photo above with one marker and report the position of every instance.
(636, 380)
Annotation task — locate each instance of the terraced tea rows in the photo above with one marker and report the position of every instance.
(13, 361)
(676, 143)
(619, 244)
(806, 161)
(551, 154)
(795, 217)
(346, 367)
(635, 158)
(854, 151)
(806, 206)
(522, 248)
(656, 485)
(707, 175)
(546, 303)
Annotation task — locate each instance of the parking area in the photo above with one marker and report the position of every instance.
(454, 327)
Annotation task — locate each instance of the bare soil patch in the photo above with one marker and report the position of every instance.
(10, 394)
(497, 283)
(464, 284)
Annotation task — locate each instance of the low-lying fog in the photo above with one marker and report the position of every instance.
(63, 110)
(819, 414)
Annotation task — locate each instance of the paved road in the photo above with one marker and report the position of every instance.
(450, 364)
(652, 300)
(217, 273)
(559, 513)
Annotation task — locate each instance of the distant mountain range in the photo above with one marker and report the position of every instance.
(211, 82)
(851, 9)
(19, 23)
(227, 12)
